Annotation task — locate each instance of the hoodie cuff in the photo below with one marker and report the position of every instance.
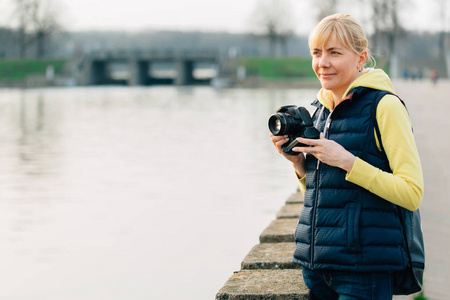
(362, 173)
(301, 183)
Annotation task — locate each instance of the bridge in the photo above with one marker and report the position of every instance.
(183, 67)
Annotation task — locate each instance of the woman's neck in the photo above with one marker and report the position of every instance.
(337, 98)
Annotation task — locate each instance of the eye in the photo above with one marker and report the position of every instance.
(335, 53)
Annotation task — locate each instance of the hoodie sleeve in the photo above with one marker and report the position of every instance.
(404, 186)
(301, 183)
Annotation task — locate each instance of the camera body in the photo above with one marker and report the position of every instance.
(294, 122)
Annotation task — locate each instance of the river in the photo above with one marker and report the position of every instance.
(135, 193)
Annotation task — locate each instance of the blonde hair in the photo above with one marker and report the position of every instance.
(347, 31)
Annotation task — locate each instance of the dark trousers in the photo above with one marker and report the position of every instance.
(340, 285)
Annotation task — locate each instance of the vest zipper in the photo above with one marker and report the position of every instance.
(313, 223)
(316, 198)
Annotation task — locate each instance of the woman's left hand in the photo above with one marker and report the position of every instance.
(328, 152)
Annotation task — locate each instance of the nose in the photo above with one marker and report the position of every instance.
(324, 61)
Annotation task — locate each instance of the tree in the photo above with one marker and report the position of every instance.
(387, 31)
(272, 19)
(36, 20)
(326, 8)
(386, 23)
(22, 11)
(45, 22)
(443, 32)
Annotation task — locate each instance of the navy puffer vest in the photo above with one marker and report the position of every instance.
(343, 226)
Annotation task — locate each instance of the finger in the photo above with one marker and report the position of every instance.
(281, 142)
(309, 142)
(279, 138)
(274, 139)
(303, 149)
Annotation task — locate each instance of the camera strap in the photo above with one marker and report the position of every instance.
(376, 99)
(318, 119)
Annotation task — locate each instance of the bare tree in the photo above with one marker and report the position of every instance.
(45, 22)
(326, 8)
(386, 24)
(22, 12)
(36, 21)
(273, 20)
(443, 32)
(387, 31)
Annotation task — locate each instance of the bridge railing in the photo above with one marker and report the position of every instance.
(155, 53)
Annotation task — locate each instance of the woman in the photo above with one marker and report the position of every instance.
(349, 238)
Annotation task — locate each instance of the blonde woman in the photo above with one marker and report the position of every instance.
(349, 239)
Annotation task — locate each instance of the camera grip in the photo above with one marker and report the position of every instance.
(288, 148)
(309, 133)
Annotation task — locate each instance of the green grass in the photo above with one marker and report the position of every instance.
(17, 70)
(278, 67)
(420, 296)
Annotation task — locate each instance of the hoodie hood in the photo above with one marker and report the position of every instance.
(371, 78)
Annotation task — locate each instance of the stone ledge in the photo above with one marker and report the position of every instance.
(267, 272)
(264, 284)
(290, 211)
(279, 231)
(295, 198)
(270, 256)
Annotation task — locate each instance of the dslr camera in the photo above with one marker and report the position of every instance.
(294, 122)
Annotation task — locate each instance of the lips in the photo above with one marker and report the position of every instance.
(325, 76)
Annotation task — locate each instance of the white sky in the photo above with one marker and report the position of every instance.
(206, 15)
(217, 15)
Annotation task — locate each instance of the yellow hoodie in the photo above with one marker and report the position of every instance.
(403, 187)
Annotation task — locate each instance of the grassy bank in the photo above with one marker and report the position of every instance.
(278, 67)
(18, 70)
(285, 68)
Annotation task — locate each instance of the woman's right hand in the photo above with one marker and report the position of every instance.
(298, 161)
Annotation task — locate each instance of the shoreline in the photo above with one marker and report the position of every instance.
(250, 82)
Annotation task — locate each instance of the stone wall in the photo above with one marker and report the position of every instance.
(267, 272)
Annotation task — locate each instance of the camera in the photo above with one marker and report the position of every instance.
(294, 122)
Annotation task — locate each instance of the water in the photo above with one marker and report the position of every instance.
(135, 193)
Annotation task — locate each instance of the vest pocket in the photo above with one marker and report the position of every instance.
(353, 213)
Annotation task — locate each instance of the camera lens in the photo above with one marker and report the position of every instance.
(277, 124)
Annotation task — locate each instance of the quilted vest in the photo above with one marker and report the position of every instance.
(343, 226)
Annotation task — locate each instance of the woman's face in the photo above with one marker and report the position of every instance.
(336, 66)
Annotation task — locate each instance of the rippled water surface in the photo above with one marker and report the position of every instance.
(135, 193)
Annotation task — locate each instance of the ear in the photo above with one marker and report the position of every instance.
(362, 58)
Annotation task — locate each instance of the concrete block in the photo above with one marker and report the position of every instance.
(270, 256)
(279, 231)
(295, 198)
(264, 284)
(290, 211)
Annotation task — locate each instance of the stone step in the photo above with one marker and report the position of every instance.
(264, 284)
(295, 198)
(290, 211)
(270, 256)
(279, 231)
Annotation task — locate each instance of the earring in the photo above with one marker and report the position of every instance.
(360, 68)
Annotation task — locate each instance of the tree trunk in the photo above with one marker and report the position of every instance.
(40, 44)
